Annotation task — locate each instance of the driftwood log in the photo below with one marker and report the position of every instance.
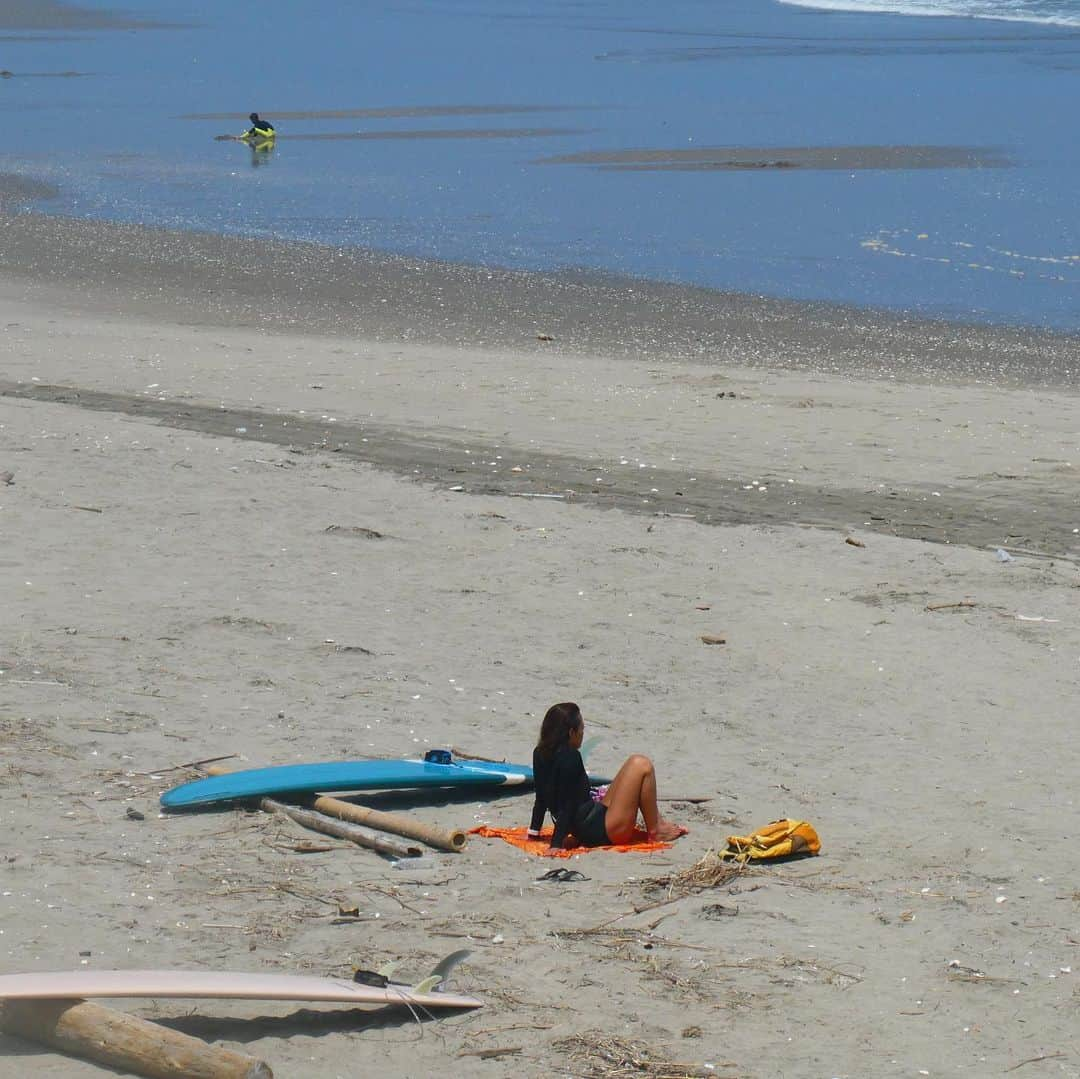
(394, 823)
(319, 822)
(123, 1041)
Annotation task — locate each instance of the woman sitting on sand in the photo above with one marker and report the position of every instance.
(562, 786)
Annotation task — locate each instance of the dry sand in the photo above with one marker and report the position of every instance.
(171, 592)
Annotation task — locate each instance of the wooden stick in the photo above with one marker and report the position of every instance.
(951, 606)
(124, 1042)
(189, 764)
(460, 753)
(394, 823)
(319, 822)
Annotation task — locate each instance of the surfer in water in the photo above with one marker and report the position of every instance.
(260, 130)
(562, 788)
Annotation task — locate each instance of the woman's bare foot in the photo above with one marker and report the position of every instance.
(667, 831)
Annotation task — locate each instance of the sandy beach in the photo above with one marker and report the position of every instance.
(174, 590)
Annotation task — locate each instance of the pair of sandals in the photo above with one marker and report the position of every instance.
(566, 876)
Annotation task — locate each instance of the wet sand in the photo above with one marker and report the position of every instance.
(53, 15)
(184, 420)
(722, 158)
(386, 112)
(16, 189)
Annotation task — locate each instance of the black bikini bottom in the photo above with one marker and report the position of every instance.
(590, 825)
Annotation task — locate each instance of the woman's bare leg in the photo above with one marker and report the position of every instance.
(634, 789)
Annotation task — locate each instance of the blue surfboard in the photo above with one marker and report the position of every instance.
(336, 777)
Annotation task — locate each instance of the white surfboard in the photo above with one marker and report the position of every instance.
(217, 985)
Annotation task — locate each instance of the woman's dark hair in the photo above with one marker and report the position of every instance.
(560, 721)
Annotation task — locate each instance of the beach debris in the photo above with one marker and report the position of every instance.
(854, 542)
(715, 911)
(1036, 1060)
(955, 971)
(600, 1056)
(956, 967)
(7, 478)
(319, 822)
(394, 823)
(133, 814)
(544, 337)
(708, 638)
(189, 764)
(711, 871)
(951, 606)
(356, 531)
(475, 756)
(456, 487)
(1004, 556)
(124, 1042)
(88, 509)
(452, 840)
(492, 1054)
(307, 846)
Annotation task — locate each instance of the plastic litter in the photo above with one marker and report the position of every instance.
(1004, 556)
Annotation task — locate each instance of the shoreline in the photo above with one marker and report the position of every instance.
(284, 286)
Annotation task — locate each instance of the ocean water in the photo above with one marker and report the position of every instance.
(859, 151)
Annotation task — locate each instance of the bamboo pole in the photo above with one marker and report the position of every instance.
(319, 822)
(394, 823)
(123, 1041)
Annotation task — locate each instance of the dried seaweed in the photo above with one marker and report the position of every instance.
(712, 871)
(602, 1056)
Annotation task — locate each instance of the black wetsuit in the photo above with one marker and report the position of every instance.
(562, 787)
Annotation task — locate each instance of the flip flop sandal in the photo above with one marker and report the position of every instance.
(564, 875)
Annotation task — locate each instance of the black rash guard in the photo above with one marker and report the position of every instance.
(562, 787)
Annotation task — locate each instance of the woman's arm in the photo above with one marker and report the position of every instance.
(540, 806)
(571, 792)
(539, 812)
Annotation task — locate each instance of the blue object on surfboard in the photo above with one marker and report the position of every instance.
(336, 777)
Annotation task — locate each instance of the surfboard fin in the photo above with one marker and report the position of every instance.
(441, 971)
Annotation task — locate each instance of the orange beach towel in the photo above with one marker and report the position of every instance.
(516, 837)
